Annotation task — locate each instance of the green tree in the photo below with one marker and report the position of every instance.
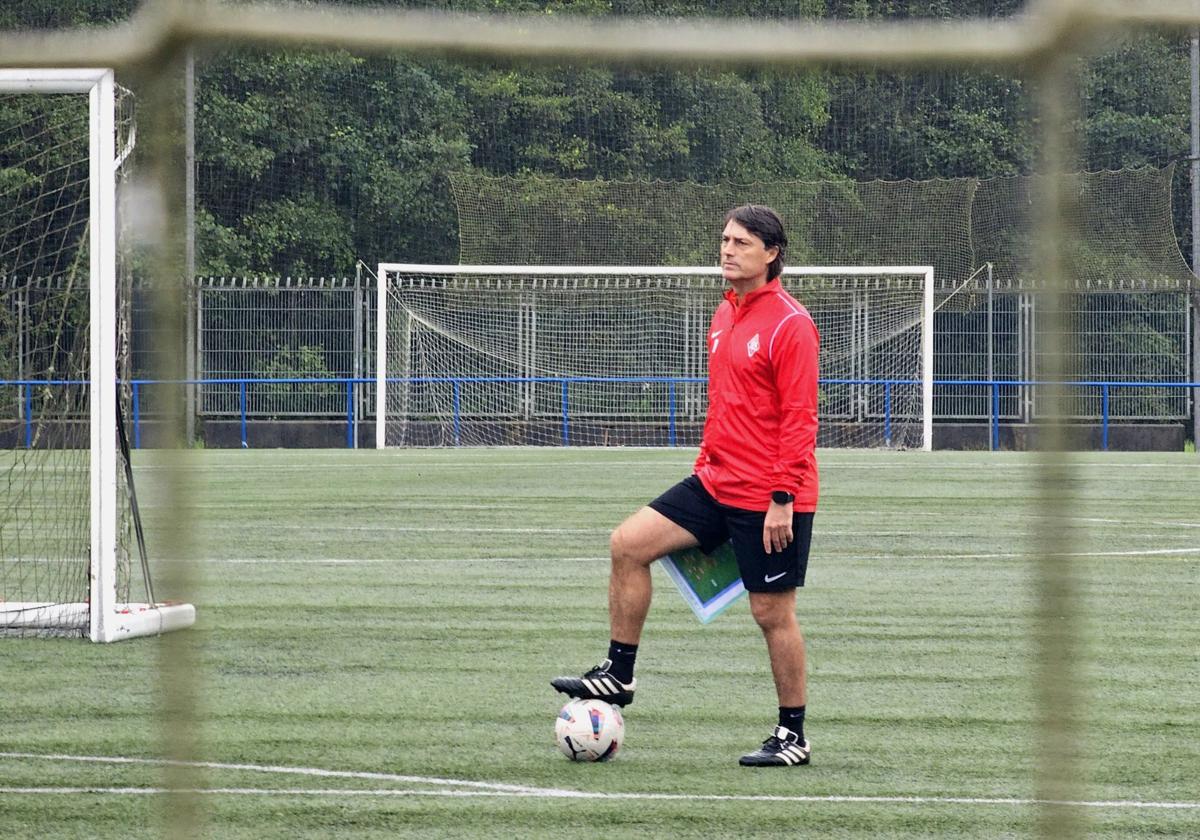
(309, 159)
(61, 14)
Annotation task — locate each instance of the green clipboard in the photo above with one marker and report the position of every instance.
(709, 583)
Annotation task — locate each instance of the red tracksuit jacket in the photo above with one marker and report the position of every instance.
(761, 431)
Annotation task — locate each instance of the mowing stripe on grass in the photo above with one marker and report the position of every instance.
(553, 793)
(1184, 553)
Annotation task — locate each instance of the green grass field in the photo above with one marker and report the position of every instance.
(376, 632)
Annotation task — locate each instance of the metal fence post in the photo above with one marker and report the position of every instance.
(137, 415)
(1027, 333)
(357, 366)
(566, 421)
(887, 413)
(1104, 417)
(199, 373)
(1194, 373)
(991, 327)
(242, 406)
(995, 424)
(671, 413)
(456, 387)
(28, 391)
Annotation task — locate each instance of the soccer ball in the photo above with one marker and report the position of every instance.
(589, 730)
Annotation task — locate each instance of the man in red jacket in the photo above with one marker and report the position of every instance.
(755, 481)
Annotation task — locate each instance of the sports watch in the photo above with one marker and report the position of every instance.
(782, 497)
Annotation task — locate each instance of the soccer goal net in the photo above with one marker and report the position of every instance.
(593, 356)
(72, 554)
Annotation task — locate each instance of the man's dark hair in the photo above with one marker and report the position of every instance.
(764, 223)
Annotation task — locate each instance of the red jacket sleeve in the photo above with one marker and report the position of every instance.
(794, 352)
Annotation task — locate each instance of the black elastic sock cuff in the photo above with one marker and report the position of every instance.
(622, 656)
(792, 717)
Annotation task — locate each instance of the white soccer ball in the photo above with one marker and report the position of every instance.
(589, 730)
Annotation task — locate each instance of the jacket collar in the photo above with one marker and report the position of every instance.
(770, 287)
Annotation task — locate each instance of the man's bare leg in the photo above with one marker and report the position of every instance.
(637, 542)
(775, 613)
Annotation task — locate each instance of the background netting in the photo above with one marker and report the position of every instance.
(1129, 281)
(1122, 225)
(603, 358)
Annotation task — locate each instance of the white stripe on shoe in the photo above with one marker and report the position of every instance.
(795, 753)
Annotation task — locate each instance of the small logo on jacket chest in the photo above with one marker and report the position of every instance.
(752, 346)
(716, 339)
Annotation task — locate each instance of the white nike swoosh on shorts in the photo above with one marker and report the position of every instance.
(773, 578)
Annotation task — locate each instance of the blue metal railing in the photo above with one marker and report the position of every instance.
(26, 389)
(1104, 386)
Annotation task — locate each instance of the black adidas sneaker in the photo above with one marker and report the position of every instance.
(597, 684)
(782, 749)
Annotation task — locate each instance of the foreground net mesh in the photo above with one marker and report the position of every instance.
(45, 496)
(257, 178)
(541, 357)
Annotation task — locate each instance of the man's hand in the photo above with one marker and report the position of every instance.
(777, 527)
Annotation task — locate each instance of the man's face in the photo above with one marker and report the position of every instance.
(743, 255)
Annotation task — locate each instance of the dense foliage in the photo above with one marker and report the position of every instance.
(308, 160)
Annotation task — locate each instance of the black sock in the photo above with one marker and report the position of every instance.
(793, 718)
(622, 656)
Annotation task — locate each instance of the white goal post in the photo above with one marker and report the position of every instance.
(93, 605)
(495, 355)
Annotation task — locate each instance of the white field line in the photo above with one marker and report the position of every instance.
(479, 789)
(1184, 553)
(417, 465)
(496, 529)
(337, 561)
(686, 458)
(878, 515)
(550, 793)
(872, 516)
(1192, 464)
(1027, 555)
(489, 529)
(432, 529)
(375, 561)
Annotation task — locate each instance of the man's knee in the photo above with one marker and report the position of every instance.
(644, 537)
(623, 546)
(773, 610)
(636, 541)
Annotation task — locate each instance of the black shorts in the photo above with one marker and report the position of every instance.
(690, 506)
